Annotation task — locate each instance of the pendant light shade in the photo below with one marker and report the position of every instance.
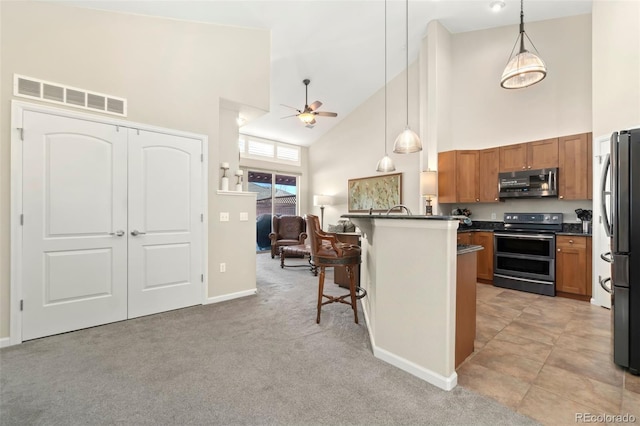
(408, 141)
(385, 165)
(526, 68)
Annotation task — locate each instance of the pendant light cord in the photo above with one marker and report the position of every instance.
(407, 50)
(385, 78)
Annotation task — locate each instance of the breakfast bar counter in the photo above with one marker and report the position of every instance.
(409, 273)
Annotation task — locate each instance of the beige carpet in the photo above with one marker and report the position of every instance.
(257, 360)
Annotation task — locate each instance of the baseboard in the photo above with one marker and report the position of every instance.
(5, 341)
(438, 380)
(230, 296)
(446, 383)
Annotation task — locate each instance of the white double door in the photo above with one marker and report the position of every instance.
(112, 223)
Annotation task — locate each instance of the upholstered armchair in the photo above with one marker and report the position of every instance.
(287, 231)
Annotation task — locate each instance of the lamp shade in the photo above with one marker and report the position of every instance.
(407, 142)
(429, 183)
(523, 70)
(385, 165)
(322, 200)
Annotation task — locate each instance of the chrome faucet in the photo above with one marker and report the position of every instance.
(402, 206)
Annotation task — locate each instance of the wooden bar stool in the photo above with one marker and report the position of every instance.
(327, 251)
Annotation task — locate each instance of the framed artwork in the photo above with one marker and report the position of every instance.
(375, 193)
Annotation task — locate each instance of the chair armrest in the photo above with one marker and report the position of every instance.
(331, 238)
(273, 236)
(303, 236)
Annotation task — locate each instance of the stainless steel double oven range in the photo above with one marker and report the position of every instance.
(525, 252)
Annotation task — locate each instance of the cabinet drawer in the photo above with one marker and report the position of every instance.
(563, 241)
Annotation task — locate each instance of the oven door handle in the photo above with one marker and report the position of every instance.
(523, 279)
(528, 236)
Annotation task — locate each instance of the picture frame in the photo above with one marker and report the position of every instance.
(374, 193)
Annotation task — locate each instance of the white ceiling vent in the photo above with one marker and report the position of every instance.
(33, 88)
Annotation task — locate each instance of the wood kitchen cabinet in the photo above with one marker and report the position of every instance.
(458, 177)
(575, 173)
(485, 257)
(541, 154)
(463, 174)
(488, 164)
(573, 273)
(465, 306)
(464, 238)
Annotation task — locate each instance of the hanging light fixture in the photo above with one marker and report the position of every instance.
(408, 141)
(525, 68)
(386, 163)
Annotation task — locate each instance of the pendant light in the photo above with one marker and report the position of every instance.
(408, 141)
(385, 165)
(525, 68)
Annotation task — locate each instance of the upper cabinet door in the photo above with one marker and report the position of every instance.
(467, 176)
(488, 162)
(542, 154)
(513, 158)
(574, 167)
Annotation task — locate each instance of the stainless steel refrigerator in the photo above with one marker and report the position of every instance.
(624, 231)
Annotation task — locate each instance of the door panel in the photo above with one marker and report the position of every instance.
(164, 211)
(74, 198)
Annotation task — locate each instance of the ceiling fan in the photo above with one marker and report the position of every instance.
(309, 113)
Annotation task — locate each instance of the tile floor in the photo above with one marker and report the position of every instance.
(547, 357)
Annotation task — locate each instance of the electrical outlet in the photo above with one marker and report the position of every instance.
(224, 216)
(244, 216)
(493, 216)
(223, 267)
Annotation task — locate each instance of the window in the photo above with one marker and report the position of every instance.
(268, 150)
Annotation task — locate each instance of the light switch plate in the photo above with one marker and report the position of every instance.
(244, 216)
(224, 216)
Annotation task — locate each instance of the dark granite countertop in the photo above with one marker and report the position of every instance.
(574, 234)
(468, 248)
(396, 216)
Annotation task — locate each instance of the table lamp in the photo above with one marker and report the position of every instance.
(429, 188)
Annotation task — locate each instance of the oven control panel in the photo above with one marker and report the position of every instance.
(534, 218)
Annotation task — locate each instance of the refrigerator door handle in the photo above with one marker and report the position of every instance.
(607, 257)
(603, 283)
(603, 196)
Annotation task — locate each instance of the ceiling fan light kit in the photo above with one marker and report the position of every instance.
(526, 68)
(308, 114)
(408, 141)
(385, 165)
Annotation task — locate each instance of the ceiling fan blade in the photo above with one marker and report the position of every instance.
(326, 114)
(291, 108)
(314, 106)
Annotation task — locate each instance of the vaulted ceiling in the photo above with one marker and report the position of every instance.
(338, 45)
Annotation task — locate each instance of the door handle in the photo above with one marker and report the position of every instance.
(135, 233)
(606, 257)
(119, 233)
(603, 282)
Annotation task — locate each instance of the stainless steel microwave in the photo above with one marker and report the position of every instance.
(528, 183)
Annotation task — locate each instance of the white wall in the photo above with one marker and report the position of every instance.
(173, 74)
(486, 115)
(353, 148)
(464, 107)
(616, 66)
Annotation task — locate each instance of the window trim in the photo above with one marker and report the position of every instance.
(245, 140)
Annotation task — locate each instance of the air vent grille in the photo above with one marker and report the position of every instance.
(47, 91)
